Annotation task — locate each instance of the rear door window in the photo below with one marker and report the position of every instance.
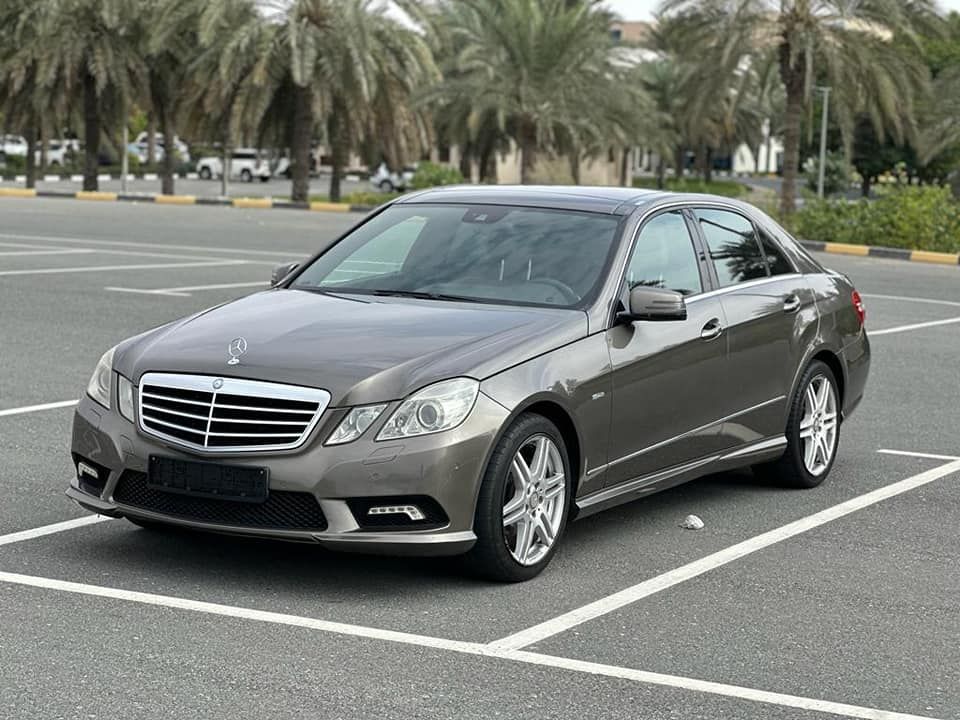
(776, 260)
(733, 245)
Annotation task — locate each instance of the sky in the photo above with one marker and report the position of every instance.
(643, 9)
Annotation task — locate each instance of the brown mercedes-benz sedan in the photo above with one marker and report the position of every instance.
(470, 368)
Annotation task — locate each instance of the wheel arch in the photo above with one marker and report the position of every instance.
(831, 358)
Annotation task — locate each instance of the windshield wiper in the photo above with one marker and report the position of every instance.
(421, 295)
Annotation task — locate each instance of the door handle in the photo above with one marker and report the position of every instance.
(711, 330)
(791, 304)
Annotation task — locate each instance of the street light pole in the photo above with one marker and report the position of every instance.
(823, 139)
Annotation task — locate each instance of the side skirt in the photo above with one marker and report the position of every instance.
(756, 452)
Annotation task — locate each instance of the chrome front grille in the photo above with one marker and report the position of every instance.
(214, 414)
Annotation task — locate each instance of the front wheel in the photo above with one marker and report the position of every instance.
(522, 507)
(813, 432)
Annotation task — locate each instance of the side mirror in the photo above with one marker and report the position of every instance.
(655, 305)
(281, 271)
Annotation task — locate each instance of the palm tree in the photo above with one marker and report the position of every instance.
(846, 45)
(168, 51)
(231, 35)
(540, 68)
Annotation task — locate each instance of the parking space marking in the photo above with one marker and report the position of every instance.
(185, 291)
(65, 251)
(914, 326)
(35, 408)
(669, 579)
(276, 253)
(111, 268)
(909, 453)
(905, 298)
(51, 529)
(468, 648)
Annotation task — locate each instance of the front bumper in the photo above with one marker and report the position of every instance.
(446, 467)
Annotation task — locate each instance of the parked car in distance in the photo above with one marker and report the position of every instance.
(57, 152)
(244, 165)
(386, 180)
(183, 151)
(471, 367)
(13, 145)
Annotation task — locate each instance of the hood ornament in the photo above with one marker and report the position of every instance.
(236, 348)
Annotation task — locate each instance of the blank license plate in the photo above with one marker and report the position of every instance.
(209, 480)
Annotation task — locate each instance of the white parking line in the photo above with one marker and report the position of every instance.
(185, 291)
(667, 580)
(64, 251)
(930, 456)
(914, 326)
(51, 529)
(905, 298)
(111, 268)
(281, 254)
(467, 648)
(36, 408)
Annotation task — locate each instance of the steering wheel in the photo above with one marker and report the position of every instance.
(568, 292)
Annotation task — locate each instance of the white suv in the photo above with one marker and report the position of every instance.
(243, 165)
(13, 145)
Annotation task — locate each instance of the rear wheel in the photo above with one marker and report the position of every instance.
(246, 175)
(386, 186)
(205, 173)
(813, 432)
(522, 507)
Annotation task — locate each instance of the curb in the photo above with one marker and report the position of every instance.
(924, 256)
(241, 202)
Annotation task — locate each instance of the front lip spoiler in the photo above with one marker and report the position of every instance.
(402, 543)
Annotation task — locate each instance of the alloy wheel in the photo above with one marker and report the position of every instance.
(534, 500)
(818, 428)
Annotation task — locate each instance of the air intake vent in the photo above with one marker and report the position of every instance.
(228, 415)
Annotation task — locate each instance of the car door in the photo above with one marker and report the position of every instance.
(666, 375)
(770, 314)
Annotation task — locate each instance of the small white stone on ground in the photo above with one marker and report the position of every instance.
(692, 522)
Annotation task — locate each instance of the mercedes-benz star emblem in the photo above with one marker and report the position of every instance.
(218, 383)
(237, 347)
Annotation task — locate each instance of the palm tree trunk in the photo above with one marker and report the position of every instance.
(865, 186)
(575, 165)
(151, 141)
(31, 159)
(91, 131)
(769, 153)
(169, 152)
(338, 118)
(661, 173)
(44, 145)
(300, 150)
(679, 156)
(225, 168)
(624, 166)
(756, 159)
(466, 162)
(528, 152)
(792, 72)
(708, 164)
(488, 164)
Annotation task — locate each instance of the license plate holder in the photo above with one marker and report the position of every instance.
(208, 480)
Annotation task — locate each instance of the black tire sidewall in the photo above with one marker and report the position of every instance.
(490, 556)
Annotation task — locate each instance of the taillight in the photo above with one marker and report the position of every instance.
(858, 306)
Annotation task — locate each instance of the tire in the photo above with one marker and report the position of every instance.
(205, 173)
(264, 178)
(385, 186)
(246, 176)
(805, 423)
(543, 507)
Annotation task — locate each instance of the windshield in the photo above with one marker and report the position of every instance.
(482, 253)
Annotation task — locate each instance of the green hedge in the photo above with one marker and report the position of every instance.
(727, 188)
(915, 218)
(430, 175)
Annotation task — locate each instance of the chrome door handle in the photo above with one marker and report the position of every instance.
(791, 304)
(711, 330)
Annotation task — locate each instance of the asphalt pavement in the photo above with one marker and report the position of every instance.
(850, 610)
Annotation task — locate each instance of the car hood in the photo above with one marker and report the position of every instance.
(361, 349)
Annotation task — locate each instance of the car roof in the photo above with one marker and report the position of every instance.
(602, 199)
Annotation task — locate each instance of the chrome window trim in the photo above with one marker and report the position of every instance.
(231, 386)
(687, 204)
(695, 430)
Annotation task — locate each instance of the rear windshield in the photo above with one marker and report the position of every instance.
(483, 253)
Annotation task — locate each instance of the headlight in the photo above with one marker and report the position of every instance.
(99, 386)
(125, 397)
(355, 424)
(438, 407)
